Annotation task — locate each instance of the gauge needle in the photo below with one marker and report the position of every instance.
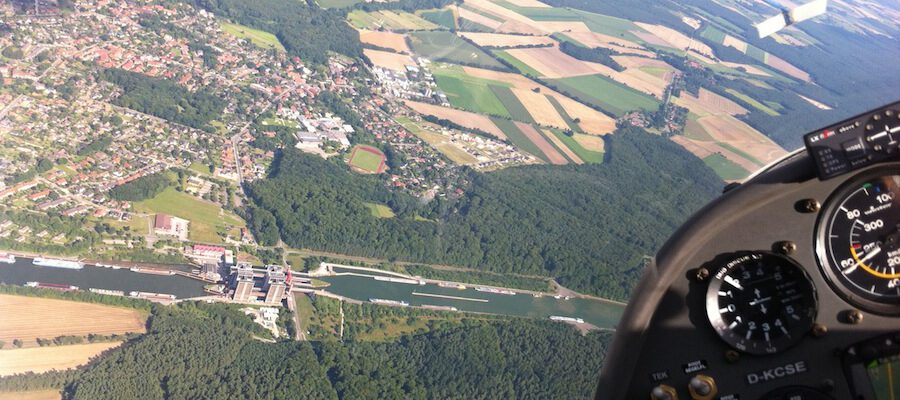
(734, 282)
(863, 260)
(760, 301)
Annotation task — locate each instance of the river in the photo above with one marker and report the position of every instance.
(599, 313)
(90, 276)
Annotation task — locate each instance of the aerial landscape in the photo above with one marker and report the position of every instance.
(376, 199)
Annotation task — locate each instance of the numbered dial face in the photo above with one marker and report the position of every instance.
(859, 241)
(761, 303)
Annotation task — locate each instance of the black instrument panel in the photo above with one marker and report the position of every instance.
(774, 290)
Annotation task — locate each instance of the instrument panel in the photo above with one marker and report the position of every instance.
(786, 287)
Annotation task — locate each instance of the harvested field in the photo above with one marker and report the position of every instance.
(479, 19)
(498, 10)
(747, 67)
(502, 40)
(637, 62)
(43, 359)
(787, 68)
(535, 137)
(464, 118)
(384, 59)
(550, 62)
(540, 108)
(562, 147)
(693, 146)
(390, 40)
(729, 130)
(650, 38)
(50, 394)
(529, 3)
(643, 81)
(562, 26)
(443, 45)
(512, 104)
(606, 93)
(738, 44)
(511, 26)
(705, 149)
(676, 39)
(591, 143)
(28, 318)
(594, 39)
(708, 103)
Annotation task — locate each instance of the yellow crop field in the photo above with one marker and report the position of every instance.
(28, 318)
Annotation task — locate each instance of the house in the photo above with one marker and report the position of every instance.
(167, 225)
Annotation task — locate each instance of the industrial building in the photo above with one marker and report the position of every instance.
(266, 285)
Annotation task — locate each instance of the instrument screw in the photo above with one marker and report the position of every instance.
(732, 356)
(854, 317)
(827, 385)
(808, 206)
(702, 274)
(786, 247)
(819, 330)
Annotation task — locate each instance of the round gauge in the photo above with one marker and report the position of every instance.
(761, 303)
(858, 242)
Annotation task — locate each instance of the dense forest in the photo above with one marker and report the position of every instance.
(597, 54)
(205, 351)
(587, 226)
(165, 99)
(306, 31)
(141, 188)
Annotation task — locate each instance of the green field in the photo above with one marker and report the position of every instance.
(712, 34)
(207, 219)
(444, 18)
(756, 53)
(562, 113)
(588, 156)
(200, 167)
(741, 153)
(259, 38)
(337, 3)
(726, 169)
(612, 26)
(379, 210)
(518, 138)
(366, 160)
(512, 104)
(445, 46)
(466, 25)
(280, 122)
(751, 101)
(469, 93)
(523, 68)
(388, 20)
(606, 94)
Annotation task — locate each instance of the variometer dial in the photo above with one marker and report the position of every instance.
(761, 303)
(859, 241)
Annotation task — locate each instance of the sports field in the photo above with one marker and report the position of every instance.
(259, 38)
(445, 46)
(43, 359)
(28, 318)
(367, 159)
(607, 94)
(207, 218)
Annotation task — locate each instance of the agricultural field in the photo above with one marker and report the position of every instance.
(388, 40)
(337, 3)
(541, 109)
(751, 101)
(708, 103)
(440, 142)
(259, 38)
(379, 210)
(470, 93)
(445, 46)
(388, 20)
(530, 140)
(550, 62)
(607, 94)
(462, 118)
(445, 17)
(562, 147)
(525, 69)
(588, 148)
(28, 318)
(43, 359)
(367, 159)
(503, 40)
(726, 169)
(511, 103)
(208, 219)
(49, 394)
(717, 36)
(386, 59)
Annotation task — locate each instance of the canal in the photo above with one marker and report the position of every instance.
(599, 313)
(23, 271)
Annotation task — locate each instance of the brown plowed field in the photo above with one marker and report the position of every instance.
(390, 40)
(28, 318)
(384, 59)
(562, 147)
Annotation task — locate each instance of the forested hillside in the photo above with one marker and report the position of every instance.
(306, 31)
(588, 226)
(204, 351)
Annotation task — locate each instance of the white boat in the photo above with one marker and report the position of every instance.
(399, 280)
(52, 262)
(152, 296)
(108, 292)
(7, 258)
(566, 319)
(389, 302)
